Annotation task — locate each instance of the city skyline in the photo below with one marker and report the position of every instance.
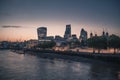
(20, 18)
(63, 36)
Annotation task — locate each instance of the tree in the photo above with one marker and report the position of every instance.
(114, 42)
(97, 42)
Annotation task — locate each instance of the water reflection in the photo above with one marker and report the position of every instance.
(29, 67)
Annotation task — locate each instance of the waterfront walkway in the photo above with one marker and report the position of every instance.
(115, 58)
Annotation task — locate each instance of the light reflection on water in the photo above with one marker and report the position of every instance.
(29, 67)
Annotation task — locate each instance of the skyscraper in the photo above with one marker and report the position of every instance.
(42, 33)
(83, 35)
(67, 32)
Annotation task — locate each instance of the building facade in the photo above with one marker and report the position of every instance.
(67, 32)
(42, 33)
(83, 37)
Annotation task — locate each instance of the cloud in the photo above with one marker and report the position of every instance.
(11, 26)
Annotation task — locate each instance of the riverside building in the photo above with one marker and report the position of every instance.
(42, 33)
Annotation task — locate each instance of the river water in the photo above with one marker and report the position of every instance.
(15, 66)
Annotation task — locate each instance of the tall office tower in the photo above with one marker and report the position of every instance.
(67, 32)
(83, 35)
(42, 33)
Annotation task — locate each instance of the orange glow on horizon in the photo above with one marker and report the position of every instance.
(29, 30)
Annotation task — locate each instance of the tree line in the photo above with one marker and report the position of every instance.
(104, 42)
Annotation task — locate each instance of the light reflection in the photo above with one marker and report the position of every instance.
(76, 67)
(22, 56)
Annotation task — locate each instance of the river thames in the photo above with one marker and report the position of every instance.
(15, 66)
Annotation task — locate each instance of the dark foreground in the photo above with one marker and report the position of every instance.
(31, 67)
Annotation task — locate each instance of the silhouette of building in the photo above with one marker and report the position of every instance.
(83, 35)
(74, 36)
(31, 43)
(103, 33)
(67, 32)
(95, 35)
(60, 41)
(107, 34)
(51, 38)
(91, 35)
(42, 33)
(58, 38)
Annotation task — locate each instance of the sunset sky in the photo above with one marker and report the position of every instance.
(19, 19)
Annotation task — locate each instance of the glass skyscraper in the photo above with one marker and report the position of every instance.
(67, 32)
(42, 33)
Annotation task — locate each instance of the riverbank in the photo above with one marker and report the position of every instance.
(114, 58)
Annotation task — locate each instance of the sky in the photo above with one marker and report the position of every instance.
(19, 19)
